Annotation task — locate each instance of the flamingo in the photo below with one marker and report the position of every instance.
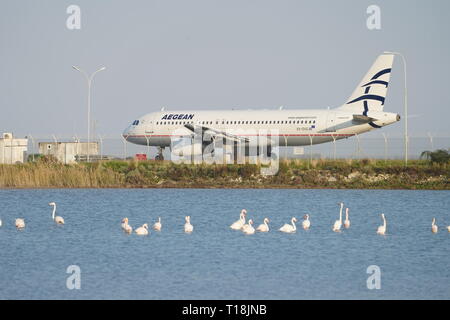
(306, 223)
(124, 223)
(338, 223)
(264, 227)
(20, 223)
(289, 228)
(248, 228)
(142, 231)
(434, 227)
(157, 226)
(188, 227)
(237, 225)
(347, 220)
(127, 228)
(382, 229)
(57, 219)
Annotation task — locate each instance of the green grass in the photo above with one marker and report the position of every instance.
(366, 173)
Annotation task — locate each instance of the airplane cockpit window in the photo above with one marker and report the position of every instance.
(135, 122)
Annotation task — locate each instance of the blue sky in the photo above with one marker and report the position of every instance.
(214, 55)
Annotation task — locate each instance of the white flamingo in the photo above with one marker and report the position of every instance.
(289, 228)
(157, 226)
(347, 220)
(142, 231)
(237, 225)
(382, 229)
(127, 228)
(248, 228)
(20, 223)
(264, 227)
(338, 223)
(188, 227)
(306, 223)
(434, 227)
(57, 219)
(124, 223)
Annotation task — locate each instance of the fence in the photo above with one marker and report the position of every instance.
(377, 146)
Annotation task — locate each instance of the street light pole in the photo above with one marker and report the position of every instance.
(406, 104)
(89, 82)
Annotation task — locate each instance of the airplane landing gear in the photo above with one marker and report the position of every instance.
(159, 156)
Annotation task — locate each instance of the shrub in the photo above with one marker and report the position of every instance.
(438, 156)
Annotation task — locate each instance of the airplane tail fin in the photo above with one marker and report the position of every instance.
(370, 94)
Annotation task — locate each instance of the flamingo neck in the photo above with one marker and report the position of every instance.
(384, 221)
(293, 224)
(54, 211)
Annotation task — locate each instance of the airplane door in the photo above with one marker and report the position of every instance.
(331, 122)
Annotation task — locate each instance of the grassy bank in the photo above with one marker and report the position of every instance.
(368, 174)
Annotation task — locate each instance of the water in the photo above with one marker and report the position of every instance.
(215, 262)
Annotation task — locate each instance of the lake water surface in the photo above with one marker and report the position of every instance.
(215, 262)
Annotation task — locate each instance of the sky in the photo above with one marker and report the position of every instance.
(206, 54)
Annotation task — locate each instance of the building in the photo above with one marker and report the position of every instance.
(69, 152)
(13, 150)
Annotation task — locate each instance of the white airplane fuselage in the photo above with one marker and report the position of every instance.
(294, 127)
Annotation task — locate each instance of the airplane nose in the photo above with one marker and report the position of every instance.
(126, 133)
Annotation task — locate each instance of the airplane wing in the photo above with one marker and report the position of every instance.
(217, 133)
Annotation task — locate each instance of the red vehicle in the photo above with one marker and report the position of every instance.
(140, 157)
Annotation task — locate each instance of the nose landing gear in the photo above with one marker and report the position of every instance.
(159, 155)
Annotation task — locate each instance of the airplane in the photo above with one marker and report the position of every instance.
(362, 112)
